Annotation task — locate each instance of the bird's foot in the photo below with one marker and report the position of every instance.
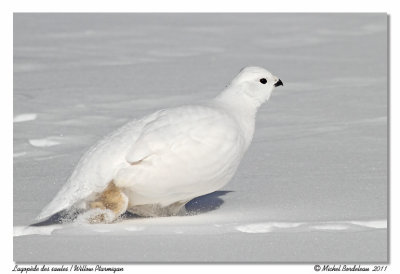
(97, 216)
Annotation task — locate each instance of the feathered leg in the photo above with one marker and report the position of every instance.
(109, 205)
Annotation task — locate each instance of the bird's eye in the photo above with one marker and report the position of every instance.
(263, 81)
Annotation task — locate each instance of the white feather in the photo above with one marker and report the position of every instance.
(174, 154)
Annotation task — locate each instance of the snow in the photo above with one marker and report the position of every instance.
(32, 230)
(313, 185)
(157, 226)
(25, 117)
(45, 142)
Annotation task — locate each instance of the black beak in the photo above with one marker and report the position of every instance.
(279, 83)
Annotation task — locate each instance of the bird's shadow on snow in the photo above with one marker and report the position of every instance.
(205, 203)
(198, 205)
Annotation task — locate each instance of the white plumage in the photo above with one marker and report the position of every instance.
(172, 155)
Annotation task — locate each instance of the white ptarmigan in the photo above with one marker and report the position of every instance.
(155, 165)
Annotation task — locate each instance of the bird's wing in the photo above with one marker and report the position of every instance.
(194, 140)
(96, 167)
(181, 128)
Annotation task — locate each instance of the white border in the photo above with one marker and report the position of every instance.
(199, 6)
(6, 51)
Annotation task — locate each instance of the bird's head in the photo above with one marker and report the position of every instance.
(256, 83)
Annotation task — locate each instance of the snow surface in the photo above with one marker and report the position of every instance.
(25, 117)
(313, 185)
